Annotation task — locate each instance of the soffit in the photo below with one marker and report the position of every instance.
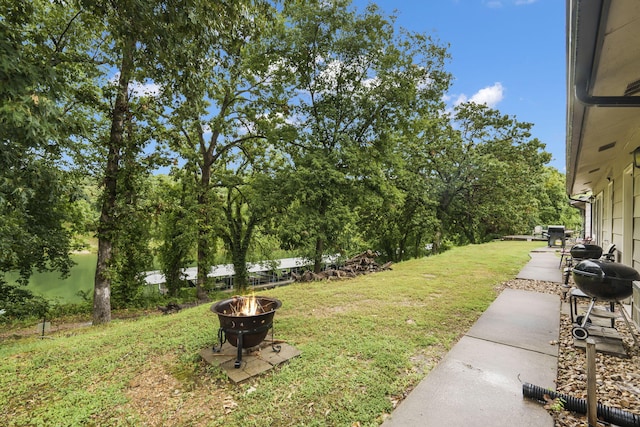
(614, 63)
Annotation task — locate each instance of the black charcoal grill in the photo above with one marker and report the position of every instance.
(582, 251)
(579, 252)
(602, 280)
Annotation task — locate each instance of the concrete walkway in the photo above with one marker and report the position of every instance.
(544, 265)
(479, 382)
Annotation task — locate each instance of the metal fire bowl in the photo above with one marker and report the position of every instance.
(585, 251)
(605, 280)
(254, 329)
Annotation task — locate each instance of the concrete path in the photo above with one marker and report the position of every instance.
(544, 265)
(479, 382)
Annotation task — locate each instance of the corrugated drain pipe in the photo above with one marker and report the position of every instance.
(611, 415)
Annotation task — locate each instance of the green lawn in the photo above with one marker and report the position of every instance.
(364, 343)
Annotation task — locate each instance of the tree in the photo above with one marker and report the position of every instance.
(485, 170)
(123, 31)
(39, 49)
(553, 204)
(229, 102)
(359, 83)
(250, 198)
(176, 210)
(405, 223)
(132, 39)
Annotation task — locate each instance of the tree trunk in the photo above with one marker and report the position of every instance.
(240, 282)
(317, 258)
(107, 221)
(437, 241)
(102, 284)
(203, 230)
(203, 263)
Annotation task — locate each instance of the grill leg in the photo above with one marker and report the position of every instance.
(589, 310)
(626, 321)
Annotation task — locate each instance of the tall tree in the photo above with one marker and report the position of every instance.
(123, 29)
(130, 40)
(486, 171)
(175, 207)
(227, 102)
(250, 197)
(359, 83)
(552, 203)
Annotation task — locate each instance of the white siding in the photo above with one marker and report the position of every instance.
(616, 215)
(636, 220)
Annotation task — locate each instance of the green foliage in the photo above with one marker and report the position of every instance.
(556, 405)
(221, 113)
(132, 252)
(177, 231)
(360, 83)
(553, 204)
(36, 195)
(501, 165)
(16, 302)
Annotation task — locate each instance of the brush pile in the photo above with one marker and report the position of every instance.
(363, 263)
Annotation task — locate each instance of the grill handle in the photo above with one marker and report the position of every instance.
(588, 274)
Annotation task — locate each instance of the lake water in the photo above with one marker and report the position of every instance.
(57, 290)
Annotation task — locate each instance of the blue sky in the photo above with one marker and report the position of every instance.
(509, 53)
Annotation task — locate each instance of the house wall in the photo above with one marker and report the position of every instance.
(616, 219)
(636, 221)
(611, 208)
(617, 235)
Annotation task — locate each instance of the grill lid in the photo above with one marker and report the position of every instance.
(605, 279)
(606, 270)
(585, 251)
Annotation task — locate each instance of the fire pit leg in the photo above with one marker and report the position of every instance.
(275, 347)
(239, 355)
(222, 338)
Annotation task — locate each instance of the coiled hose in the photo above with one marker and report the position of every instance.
(611, 415)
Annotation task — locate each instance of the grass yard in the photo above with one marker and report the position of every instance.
(365, 343)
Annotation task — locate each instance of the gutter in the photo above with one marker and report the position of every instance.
(595, 18)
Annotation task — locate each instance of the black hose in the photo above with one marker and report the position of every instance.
(611, 415)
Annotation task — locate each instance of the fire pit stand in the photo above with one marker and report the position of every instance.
(245, 330)
(222, 338)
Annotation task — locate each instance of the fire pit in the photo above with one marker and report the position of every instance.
(245, 322)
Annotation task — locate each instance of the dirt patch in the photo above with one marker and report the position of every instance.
(59, 326)
(160, 399)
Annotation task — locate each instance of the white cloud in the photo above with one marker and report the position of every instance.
(146, 89)
(138, 89)
(523, 2)
(490, 95)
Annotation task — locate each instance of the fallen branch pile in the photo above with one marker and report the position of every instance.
(363, 263)
(173, 307)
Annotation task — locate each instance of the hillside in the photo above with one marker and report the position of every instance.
(365, 343)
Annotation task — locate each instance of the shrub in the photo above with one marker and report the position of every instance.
(16, 302)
